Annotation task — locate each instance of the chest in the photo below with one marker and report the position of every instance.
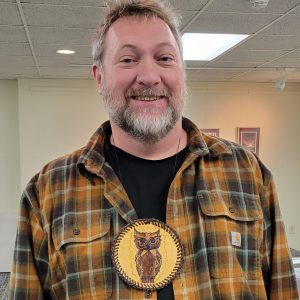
(214, 211)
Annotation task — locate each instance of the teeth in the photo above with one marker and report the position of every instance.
(147, 98)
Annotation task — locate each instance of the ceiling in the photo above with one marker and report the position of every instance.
(32, 30)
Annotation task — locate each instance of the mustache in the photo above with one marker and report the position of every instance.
(147, 92)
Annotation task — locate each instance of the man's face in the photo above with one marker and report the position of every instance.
(142, 80)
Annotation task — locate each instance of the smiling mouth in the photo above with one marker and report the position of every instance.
(147, 98)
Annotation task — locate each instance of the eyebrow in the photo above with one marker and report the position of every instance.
(128, 46)
(133, 47)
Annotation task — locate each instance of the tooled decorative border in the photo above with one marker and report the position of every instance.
(147, 286)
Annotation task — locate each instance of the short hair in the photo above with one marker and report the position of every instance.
(141, 8)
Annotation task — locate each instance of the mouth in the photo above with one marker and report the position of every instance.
(147, 98)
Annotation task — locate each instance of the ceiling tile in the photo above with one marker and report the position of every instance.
(177, 4)
(18, 70)
(15, 49)
(297, 10)
(54, 24)
(95, 3)
(64, 60)
(69, 16)
(190, 63)
(280, 64)
(70, 36)
(230, 23)
(233, 64)
(15, 61)
(258, 76)
(274, 6)
(290, 57)
(188, 5)
(291, 60)
(66, 71)
(210, 75)
(271, 42)
(6, 76)
(9, 14)
(289, 25)
(186, 17)
(250, 55)
(12, 34)
(50, 49)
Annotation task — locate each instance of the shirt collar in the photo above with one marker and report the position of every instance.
(202, 144)
(92, 157)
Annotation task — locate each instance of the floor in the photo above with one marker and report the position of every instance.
(4, 278)
(296, 262)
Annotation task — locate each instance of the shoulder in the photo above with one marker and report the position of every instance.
(55, 171)
(219, 146)
(238, 156)
(62, 164)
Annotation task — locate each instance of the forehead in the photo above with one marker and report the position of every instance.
(138, 31)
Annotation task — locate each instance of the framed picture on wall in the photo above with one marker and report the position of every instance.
(249, 138)
(211, 131)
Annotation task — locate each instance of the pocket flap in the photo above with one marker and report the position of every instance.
(83, 228)
(236, 206)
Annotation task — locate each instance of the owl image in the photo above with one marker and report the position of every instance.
(148, 259)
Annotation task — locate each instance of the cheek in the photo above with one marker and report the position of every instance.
(175, 81)
(121, 79)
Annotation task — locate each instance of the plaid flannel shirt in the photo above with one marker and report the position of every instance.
(72, 210)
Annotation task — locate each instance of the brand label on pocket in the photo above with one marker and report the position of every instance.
(236, 239)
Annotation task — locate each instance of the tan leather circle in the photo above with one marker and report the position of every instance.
(147, 254)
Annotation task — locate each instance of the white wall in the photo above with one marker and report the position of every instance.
(8, 228)
(58, 116)
(9, 147)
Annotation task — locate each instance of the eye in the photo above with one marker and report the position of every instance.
(152, 240)
(142, 241)
(127, 60)
(166, 59)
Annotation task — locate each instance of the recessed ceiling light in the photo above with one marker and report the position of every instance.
(259, 3)
(206, 46)
(65, 51)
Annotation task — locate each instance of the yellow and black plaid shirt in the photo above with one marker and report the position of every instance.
(222, 203)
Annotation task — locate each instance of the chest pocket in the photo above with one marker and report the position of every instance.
(234, 228)
(83, 257)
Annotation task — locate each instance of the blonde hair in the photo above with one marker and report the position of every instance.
(141, 8)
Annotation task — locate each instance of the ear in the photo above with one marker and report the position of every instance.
(97, 77)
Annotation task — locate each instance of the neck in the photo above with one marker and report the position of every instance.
(171, 144)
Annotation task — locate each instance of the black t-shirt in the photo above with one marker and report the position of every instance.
(147, 184)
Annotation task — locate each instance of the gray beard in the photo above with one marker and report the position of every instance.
(147, 132)
(137, 127)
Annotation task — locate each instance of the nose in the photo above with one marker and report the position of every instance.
(148, 73)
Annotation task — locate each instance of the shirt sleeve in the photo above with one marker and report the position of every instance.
(30, 263)
(277, 266)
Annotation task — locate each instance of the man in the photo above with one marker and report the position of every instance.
(150, 163)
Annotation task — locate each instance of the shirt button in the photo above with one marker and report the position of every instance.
(148, 294)
(231, 209)
(76, 231)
